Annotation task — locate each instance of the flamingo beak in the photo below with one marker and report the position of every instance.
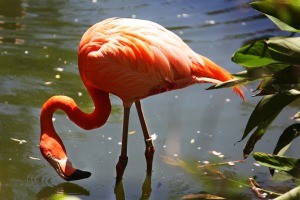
(75, 174)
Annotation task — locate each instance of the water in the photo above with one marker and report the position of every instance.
(38, 59)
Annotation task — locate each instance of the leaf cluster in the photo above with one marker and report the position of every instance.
(275, 62)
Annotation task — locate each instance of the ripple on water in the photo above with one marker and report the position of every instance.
(42, 178)
(46, 184)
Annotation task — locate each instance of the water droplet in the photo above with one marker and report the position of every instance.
(57, 76)
(48, 83)
(183, 15)
(109, 138)
(26, 52)
(210, 22)
(53, 119)
(131, 132)
(18, 140)
(192, 141)
(231, 163)
(216, 153)
(34, 158)
(59, 69)
(175, 154)
(154, 136)
(79, 94)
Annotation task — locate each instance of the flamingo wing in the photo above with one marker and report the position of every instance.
(134, 57)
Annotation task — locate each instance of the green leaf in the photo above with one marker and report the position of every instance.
(281, 163)
(259, 132)
(285, 14)
(285, 49)
(64, 197)
(288, 135)
(244, 77)
(285, 140)
(284, 80)
(264, 113)
(230, 83)
(279, 51)
(293, 194)
(253, 55)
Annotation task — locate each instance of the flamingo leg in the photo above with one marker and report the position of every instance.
(149, 152)
(123, 159)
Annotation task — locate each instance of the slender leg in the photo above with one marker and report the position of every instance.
(149, 152)
(123, 159)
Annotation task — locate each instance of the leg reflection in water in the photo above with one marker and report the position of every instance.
(146, 189)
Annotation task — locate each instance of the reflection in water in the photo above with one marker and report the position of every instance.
(11, 8)
(11, 11)
(63, 188)
(146, 189)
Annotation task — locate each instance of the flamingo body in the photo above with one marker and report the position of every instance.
(132, 59)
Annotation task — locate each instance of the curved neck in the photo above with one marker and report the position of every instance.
(49, 137)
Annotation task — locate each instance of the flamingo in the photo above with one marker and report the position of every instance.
(131, 59)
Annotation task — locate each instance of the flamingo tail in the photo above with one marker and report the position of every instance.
(212, 71)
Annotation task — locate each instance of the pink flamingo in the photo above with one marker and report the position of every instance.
(132, 59)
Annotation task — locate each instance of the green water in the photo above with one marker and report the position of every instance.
(38, 59)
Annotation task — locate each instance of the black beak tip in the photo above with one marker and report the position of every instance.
(78, 175)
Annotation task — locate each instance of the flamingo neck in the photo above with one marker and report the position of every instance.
(51, 144)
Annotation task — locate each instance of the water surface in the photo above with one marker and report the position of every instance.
(38, 59)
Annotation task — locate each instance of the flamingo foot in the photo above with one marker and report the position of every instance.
(65, 170)
(120, 167)
(149, 152)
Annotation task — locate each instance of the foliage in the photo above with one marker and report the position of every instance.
(275, 62)
(284, 14)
